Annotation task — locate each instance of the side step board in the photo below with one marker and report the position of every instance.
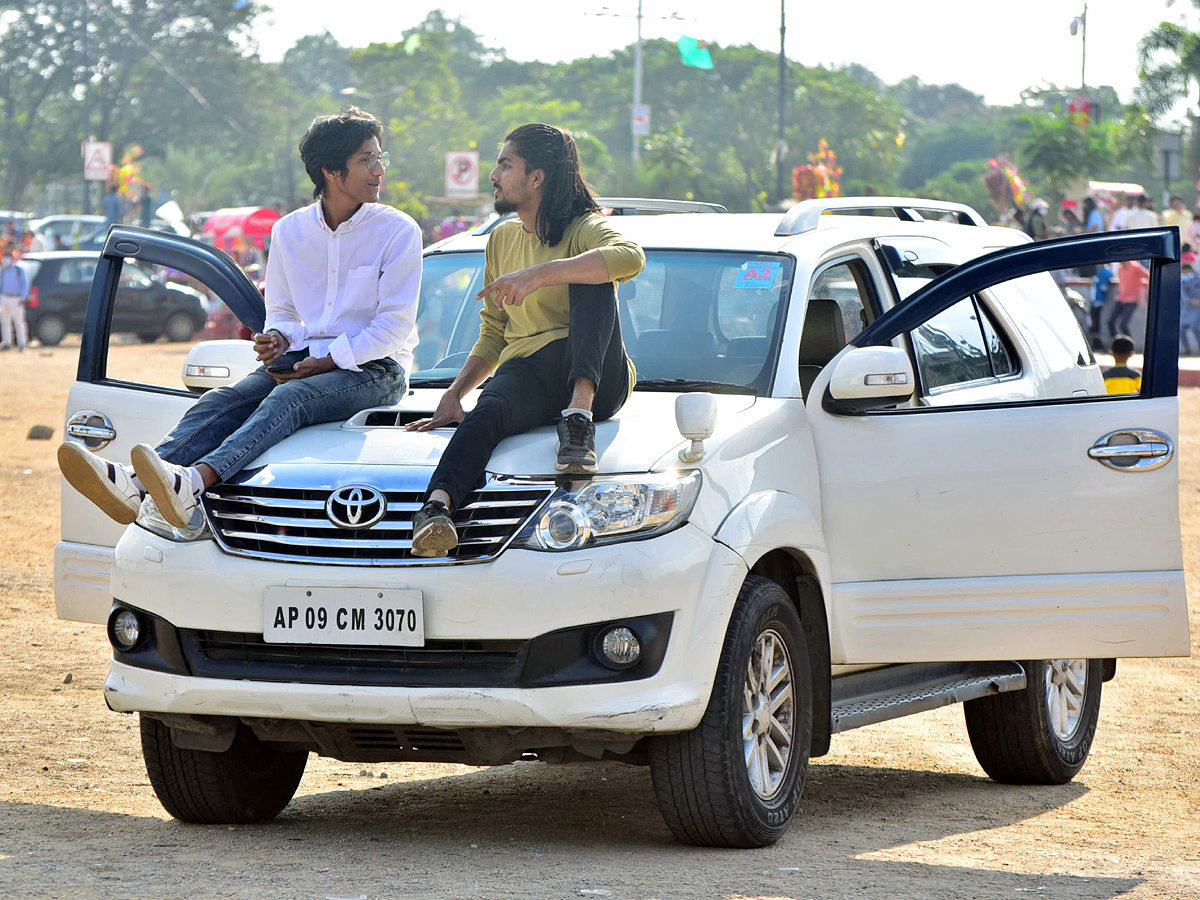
(865, 698)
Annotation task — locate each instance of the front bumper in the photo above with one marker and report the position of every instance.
(518, 596)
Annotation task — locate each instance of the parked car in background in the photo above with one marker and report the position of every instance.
(58, 295)
(70, 230)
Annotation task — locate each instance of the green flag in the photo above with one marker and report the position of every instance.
(694, 53)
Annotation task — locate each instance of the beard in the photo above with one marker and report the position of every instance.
(504, 207)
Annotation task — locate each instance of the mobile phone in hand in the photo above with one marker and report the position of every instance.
(287, 361)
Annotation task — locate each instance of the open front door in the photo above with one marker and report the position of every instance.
(1024, 506)
(129, 386)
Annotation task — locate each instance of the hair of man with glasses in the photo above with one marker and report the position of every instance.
(331, 140)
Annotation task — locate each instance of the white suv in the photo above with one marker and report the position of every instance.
(870, 468)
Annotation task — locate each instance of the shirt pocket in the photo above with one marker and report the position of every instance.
(362, 288)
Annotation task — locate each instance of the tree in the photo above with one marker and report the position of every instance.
(1062, 152)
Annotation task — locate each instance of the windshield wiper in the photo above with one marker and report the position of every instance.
(688, 384)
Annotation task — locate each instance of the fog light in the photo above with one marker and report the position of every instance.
(564, 526)
(620, 648)
(125, 629)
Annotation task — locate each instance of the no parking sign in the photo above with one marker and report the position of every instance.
(462, 173)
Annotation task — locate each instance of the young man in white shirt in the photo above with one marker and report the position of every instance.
(342, 284)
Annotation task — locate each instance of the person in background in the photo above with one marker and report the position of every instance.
(1177, 214)
(14, 289)
(1093, 219)
(1188, 254)
(1121, 216)
(1119, 378)
(1036, 226)
(145, 207)
(1142, 215)
(1071, 223)
(1189, 310)
(112, 206)
(1101, 288)
(1132, 280)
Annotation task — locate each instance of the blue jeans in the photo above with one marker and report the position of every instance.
(229, 426)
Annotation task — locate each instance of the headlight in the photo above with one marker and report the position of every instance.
(151, 519)
(605, 510)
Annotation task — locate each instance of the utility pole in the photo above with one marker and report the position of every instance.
(637, 88)
(781, 144)
(87, 123)
(1079, 23)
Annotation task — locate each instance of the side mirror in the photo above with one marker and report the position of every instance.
(866, 378)
(213, 364)
(696, 419)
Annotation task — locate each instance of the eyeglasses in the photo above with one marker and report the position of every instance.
(384, 159)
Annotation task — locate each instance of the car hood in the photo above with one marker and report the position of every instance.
(632, 441)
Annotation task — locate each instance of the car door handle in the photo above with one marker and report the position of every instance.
(1133, 450)
(92, 429)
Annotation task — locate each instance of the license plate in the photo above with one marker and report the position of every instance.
(387, 617)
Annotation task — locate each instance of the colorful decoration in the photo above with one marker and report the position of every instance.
(822, 177)
(1005, 184)
(128, 175)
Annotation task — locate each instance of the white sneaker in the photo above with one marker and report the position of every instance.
(170, 485)
(106, 484)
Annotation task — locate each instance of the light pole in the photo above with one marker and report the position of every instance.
(1078, 24)
(388, 94)
(781, 143)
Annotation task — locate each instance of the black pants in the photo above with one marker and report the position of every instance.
(1118, 320)
(533, 390)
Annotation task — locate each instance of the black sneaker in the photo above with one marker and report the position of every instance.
(433, 531)
(576, 445)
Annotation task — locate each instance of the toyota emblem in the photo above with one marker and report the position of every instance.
(355, 506)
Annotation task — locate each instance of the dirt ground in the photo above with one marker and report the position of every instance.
(898, 810)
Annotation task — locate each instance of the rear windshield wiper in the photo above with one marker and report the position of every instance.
(688, 384)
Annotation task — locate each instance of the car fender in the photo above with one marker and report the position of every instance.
(774, 520)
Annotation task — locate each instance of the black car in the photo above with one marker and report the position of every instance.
(59, 285)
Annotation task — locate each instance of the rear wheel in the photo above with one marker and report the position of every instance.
(252, 781)
(50, 329)
(179, 328)
(735, 780)
(1042, 734)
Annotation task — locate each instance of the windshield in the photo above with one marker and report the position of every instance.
(696, 319)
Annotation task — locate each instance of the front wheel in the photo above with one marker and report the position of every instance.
(1042, 734)
(250, 782)
(735, 780)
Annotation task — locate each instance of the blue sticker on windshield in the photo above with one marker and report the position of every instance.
(756, 276)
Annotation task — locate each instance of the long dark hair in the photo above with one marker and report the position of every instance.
(565, 195)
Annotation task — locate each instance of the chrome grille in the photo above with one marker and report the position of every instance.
(273, 521)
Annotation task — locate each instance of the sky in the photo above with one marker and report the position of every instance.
(993, 49)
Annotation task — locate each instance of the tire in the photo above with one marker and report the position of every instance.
(50, 329)
(702, 779)
(179, 328)
(1014, 734)
(147, 337)
(250, 782)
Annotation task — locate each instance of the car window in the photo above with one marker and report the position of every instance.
(693, 315)
(951, 349)
(31, 267)
(848, 284)
(448, 313)
(76, 271)
(152, 331)
(1003, 357)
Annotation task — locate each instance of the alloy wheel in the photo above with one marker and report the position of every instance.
(1065, 686)
(768, 714)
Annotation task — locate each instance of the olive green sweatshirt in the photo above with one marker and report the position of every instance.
(510, 332)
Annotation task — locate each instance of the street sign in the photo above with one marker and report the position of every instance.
(1168, 156)
(97, 160)
(641, 120)
(462, 173)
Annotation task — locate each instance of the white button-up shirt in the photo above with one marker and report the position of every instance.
(350, 293)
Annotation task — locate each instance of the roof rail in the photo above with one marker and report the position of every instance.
(806, 215)
(629, 206)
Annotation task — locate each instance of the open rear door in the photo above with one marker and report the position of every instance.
(128, 392)
(1016, 509)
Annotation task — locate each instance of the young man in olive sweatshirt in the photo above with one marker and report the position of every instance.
(550, 327)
